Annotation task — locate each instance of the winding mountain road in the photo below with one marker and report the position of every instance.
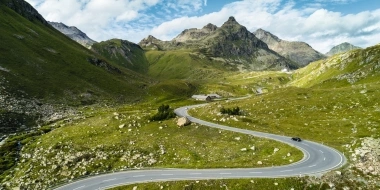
(317, 159)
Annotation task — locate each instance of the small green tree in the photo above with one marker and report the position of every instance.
(164, 112)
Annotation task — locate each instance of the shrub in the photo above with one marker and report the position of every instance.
(164, 112)
(230, 111)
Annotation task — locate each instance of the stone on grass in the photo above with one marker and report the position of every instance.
(183, 121)
(259, 162)
(121, 126)
(243, 149)
(276, 150)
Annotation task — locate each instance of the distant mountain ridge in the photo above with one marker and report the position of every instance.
(341, 48)
(74, 33)
(299, 52)
(231, 43)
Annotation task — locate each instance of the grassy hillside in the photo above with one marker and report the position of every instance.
(184, 64)
(39, 62)
(123, 53)
(346, 69)
(43, 72)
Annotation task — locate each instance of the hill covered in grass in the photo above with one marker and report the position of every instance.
(123, 53)
(355, 67)
(43, 71)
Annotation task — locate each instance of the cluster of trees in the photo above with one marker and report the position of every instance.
(164, 112)
(230, 111)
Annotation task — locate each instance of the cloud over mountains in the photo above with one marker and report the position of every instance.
(133, 20)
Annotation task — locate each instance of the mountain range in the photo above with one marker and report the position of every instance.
(231, 43)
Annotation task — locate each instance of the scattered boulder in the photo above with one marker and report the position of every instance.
(259, 162)
(183, 121)
(275, 150)
(243, 149)
(121, 126)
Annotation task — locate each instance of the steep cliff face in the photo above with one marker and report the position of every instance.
(341, 48)
(299, 52)
(74, 33)
(231, 43)
(123, 53)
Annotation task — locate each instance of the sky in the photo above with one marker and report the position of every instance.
(320, 23)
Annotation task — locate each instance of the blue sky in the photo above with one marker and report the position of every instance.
(321, 23)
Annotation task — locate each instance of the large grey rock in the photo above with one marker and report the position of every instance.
(183, 121)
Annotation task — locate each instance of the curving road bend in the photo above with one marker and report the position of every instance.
(317, 159)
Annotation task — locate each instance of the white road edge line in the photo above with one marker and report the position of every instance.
(255, 172)
(225, 173)
(139, 176)
(312, 166)
(110, 180)
(321, 151)
(79, 187)
(286, 171)
(167, 174)
(195, 173)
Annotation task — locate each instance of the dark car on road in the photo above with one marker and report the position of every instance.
(296, 139)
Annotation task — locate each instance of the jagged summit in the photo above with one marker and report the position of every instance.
(231, 19)
(231, 22)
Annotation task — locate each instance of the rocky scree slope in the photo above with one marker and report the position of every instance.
(123, 53)
(41, 66)
(299, 52)
(341, 48)
(231, 43)
(74, 33)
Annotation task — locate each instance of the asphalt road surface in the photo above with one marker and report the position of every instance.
(317, 159)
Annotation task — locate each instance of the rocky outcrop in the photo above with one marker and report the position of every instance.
(299, 52)
(74, 33)
(341, 48)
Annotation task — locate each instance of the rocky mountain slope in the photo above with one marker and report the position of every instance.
(299, 52)
(42, 69)
(123, 53)
(341, 48)
(74, 33)
(351, 68)
(231, 43)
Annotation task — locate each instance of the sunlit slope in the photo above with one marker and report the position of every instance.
(184, 64)
(350, 68)
(39, 62)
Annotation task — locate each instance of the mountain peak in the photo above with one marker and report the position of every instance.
(343, 47)
(231, 21)
(210, 27)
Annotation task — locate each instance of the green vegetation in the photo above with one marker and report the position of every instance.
(230, 111)
(164, 113)
(40, 62)
(123, 53)
(113, 139)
